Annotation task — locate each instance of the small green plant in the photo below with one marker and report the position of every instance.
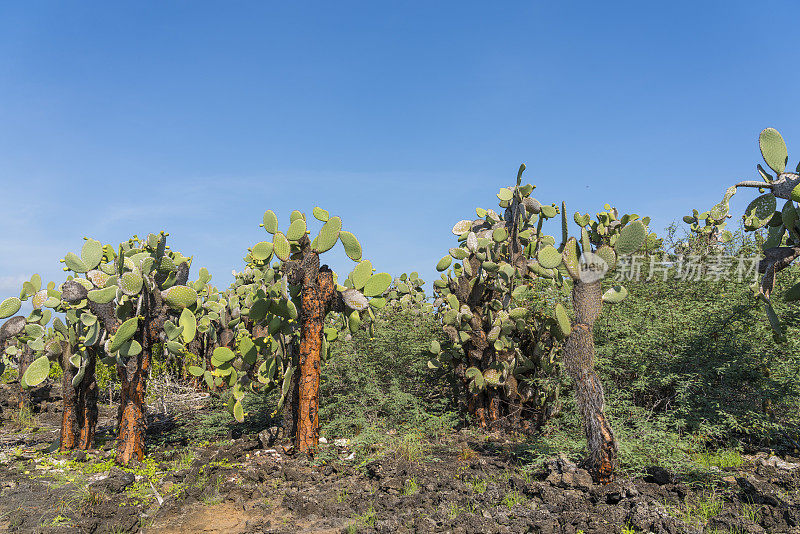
(342, 495)
(410, 487)
(751, 512)
(722, 459)
(513, 498)
(627, 529)
(478, 485)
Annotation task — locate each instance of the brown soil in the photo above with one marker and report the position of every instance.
(463, 483)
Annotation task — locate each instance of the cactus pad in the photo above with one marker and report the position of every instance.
(444, 263)
(615, 294)
(361, 273)
(630, 238)
(92, 253)
(270, 222)
(74, 263)
(328, 234)
(281, 247)
(462, 227)
(102, 296)
(37, 372)
(759, 212)
(562, 318)
(354, 299)
(773, 149)
(131, 283)
(9, 307)
(296, 230)
(179, 297)
(549, 257)
(351, 245)
(377, 284)
(261, 251)
(123, 334)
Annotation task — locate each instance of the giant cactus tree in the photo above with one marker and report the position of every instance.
(505, 357)
(602, 242)
(285, 304)
(132, 293)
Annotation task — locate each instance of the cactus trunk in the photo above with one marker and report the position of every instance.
(318, 295)
(70, 430)
(132, 415)
(87, 403)
(579, 362)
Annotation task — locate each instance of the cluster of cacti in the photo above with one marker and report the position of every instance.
(117, 304)
(503, 346)
(285, 332)
(505, 357)
(781, 245)
(407, 292)
(22, 337)
(500, 300)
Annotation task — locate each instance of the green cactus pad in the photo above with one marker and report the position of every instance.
(223, 354)
(562, 318)
(179, 297)
(615, 294)
(444, 263)
(37, 372)
(321, 214)
(354, 321)
(759, 212)
(361, 273)
(631, 238)
(124, 333)
(103, 296)
(130, 348)
(351, 245)
(328, 234)
(39, 299)
(570, 258)
(774, 322)
(608, 255)
(462, 227)
(98, 278)
(131, 283)
(377, 284)
(189, 323)
(549, 212)
(296, 230)
(281, 247)
(518, 313)
(355, 300)
(270, 221)
(773, 149)
(9, 307)
(499, 235)
(92, 253)
(549, 257)
(74, 263)
(261, 251)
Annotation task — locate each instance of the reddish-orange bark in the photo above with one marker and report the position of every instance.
(318, 294)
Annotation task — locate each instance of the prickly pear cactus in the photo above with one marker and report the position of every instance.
(283, 299)
(120, 303)
(500, 344)
(775, 215)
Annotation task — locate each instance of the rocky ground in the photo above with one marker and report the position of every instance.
(462, 482)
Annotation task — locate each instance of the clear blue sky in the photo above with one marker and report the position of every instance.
(402, 117)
